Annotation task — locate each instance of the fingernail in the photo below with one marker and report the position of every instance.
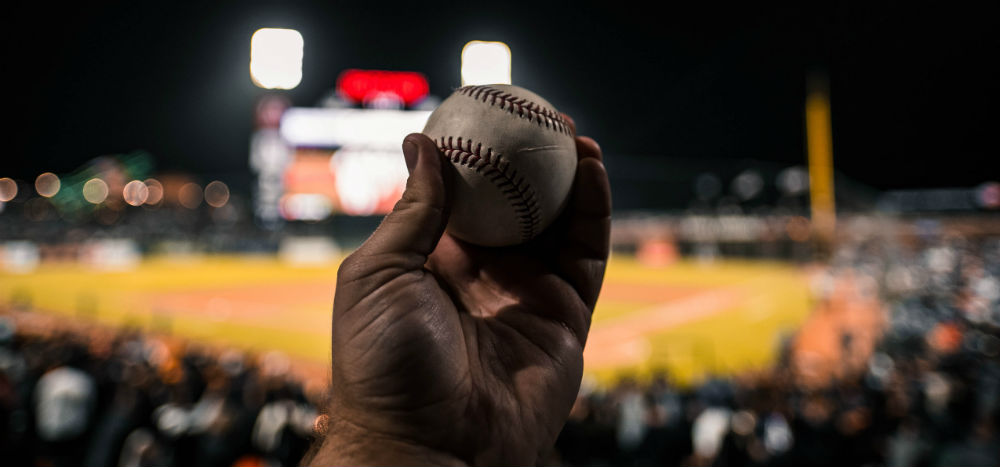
(410, 154)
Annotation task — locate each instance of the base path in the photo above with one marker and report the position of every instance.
(623, 341)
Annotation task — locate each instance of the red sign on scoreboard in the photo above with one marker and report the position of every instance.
(364, 85)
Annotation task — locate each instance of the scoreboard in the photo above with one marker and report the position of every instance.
(346, 161)
(346, 158)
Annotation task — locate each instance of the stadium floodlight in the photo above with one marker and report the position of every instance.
(485, 63)
(276, 58)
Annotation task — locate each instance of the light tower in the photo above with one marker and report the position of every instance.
(275, 64)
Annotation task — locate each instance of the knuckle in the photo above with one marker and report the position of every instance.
(408, 200)
(349, 268)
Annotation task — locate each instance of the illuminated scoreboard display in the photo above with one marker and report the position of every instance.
(350, 160)
(347, 161)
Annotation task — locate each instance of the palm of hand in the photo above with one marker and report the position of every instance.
(470, 340)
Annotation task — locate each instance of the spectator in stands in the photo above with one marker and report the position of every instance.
(65, 399)
(632, 420)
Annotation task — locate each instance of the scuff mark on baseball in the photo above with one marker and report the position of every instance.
(515, 158)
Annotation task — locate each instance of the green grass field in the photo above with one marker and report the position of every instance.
(688, 319)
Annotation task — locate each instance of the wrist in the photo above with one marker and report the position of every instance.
(345, 443)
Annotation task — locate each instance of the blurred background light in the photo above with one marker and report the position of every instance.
(798, 228)
(47, 184)
(793, 180)
(747, 184)
(366, 86)
(707, 186)
(216, 194)
(485, 63)
(190, 195)
(988, 195)
(155, 191)
(135, 193)
(305, 207)
(95, 191)
(8, 189)
(276, 58)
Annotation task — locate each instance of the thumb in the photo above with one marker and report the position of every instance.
(418, 219)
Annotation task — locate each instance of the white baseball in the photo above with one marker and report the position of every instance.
(515, 158)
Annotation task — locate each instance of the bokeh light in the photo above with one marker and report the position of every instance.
(47, 184)
(748, 184)
(988, 195)
(707, 186)
(8, 189)
(798, 228)
(216, 194)
(95, 191)
(793, 180)
(190, 195)
(155, 191)
(135, 193)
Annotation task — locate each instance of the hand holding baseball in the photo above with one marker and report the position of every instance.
(449, 353)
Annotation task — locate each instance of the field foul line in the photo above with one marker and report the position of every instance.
(623, 340)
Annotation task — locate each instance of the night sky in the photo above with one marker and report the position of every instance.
(913, 87)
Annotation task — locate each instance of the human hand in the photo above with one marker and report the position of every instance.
(446, 352)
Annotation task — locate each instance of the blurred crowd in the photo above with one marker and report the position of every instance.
(928, 396)
(72, 398)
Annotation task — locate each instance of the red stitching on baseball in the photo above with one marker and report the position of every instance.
(521, 107)
(495, 168)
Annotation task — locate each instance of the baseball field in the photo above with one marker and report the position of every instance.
(688, 318)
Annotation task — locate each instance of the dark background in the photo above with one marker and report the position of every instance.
(913, 86)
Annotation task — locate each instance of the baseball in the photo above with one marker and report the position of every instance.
(515, 159)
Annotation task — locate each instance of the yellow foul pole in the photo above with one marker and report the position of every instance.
(819, 145)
